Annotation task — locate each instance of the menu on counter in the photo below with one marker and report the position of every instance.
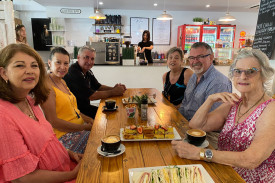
(161, 31)
(265, 30)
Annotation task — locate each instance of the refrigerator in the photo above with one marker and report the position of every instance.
(210, 34)
(227, 35)
(189, 34)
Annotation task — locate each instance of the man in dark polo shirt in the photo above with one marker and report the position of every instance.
(83, 84)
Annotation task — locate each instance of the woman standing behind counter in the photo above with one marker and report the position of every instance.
(175, 81)
(145, 46)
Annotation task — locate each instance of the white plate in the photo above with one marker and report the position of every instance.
(121, 147)
(150, 101)
(203, 145)
(205, 174)
(176, 137)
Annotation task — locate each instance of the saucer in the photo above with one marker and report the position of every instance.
(105, 108)
(121, 148)
(203, 145)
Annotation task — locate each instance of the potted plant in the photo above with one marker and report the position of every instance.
(198, 21)
(128, 56)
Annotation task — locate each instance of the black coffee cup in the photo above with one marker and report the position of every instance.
(110, 143)
(196, 136)
(110, 104)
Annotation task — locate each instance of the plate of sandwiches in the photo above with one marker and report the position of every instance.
(132, 100)
(149, 133)
(194, 173)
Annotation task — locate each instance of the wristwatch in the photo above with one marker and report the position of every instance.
(206, 154)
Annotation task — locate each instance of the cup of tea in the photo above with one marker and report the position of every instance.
(196, 136)
(110, 104)
(110, 143)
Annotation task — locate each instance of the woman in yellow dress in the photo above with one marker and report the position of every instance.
(71, 127)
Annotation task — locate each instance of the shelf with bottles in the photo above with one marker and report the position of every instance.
(108, 29)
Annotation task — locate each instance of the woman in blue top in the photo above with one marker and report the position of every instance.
(175, 81)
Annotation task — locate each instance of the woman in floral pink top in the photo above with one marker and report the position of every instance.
(29, 149)
(247, 139)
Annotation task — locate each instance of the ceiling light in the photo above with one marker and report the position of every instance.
(100, 3)
(227, 17)
(164, 15)
(155, 4)
(207, 6)
(97, 15)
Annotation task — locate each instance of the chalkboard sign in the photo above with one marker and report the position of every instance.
(265, 30)
(161, 31)
(137, 26)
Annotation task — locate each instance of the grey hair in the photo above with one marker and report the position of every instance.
(202, 45)
(83, 48)
(266, 70)
(173, 50)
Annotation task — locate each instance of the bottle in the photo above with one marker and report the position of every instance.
(143, 109)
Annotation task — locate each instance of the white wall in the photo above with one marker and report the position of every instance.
(79, 29)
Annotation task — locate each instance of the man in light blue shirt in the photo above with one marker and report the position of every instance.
(205, 81)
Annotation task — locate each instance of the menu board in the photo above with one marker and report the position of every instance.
(265, 30)
(137, 26)
(161, 31)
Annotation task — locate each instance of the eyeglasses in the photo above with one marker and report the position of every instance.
(199, 57)
(248, 73)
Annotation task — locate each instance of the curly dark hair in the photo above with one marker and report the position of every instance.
(40, 92)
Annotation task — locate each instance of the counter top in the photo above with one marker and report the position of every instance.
(154, 65)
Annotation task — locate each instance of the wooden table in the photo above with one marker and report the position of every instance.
(96, 168)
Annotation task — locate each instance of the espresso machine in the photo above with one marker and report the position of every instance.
(106, 52)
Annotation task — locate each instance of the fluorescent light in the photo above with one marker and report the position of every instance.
(164, 16)
(207, 6)
(100, 3)
(155, 4)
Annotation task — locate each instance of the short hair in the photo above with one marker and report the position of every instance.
(83, 48)
(266, 70)
(40, 92)
(173, 50)
(202, 45)
(58, 50)
(148, 35)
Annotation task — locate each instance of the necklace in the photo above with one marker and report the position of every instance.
(78, 116)
(31, 115)
(241, 115)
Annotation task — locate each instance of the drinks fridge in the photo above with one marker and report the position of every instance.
(227, 35)
(189, 34)
(210, 34)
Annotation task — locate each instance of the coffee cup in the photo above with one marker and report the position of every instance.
(110, 104)
(196, 136)
(110, 143)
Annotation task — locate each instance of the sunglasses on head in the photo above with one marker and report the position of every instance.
(248, 72)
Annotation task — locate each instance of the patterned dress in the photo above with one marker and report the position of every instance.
(239, 137)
